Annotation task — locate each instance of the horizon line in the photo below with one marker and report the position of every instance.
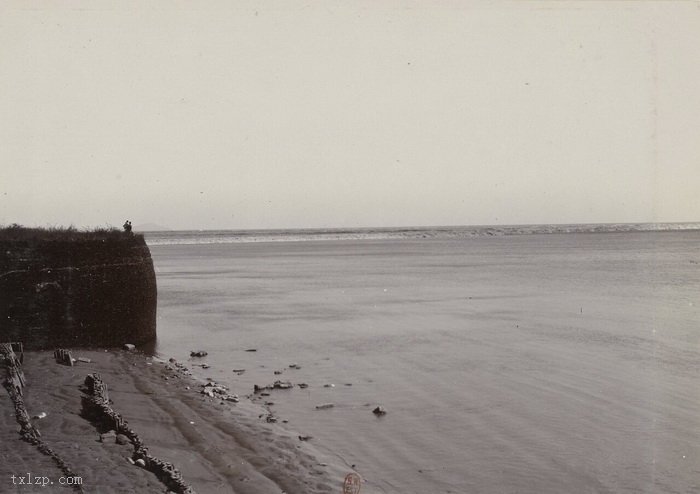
(419, 227)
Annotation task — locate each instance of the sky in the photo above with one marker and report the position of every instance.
(303, 114)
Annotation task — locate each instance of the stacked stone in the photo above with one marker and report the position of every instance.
(165, 471)
(12, 364)
(63, 357)
(28, 432)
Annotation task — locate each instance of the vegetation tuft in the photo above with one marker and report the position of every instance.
(17, 232)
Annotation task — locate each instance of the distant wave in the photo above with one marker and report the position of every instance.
(304, 235)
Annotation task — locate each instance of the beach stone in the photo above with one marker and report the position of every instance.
(379, 411)
(140, 462)
(303, 385)
(324, 406)
(129, 347)
(252, 350)
(198, 353)
(108, 436)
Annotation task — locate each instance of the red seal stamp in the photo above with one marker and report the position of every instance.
(352, 483)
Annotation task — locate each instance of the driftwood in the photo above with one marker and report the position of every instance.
(13, 383)
(97, 405)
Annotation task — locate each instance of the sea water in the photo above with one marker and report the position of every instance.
(537, 363)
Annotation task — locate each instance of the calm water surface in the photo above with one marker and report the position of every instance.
(530, 363)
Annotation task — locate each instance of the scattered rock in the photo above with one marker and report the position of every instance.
(276, 385)
(294, 366)
(233, 398)
(379, 411)
(348, 384)
(305, 438)
(324, 406)
(211, 389)
(239, 371)
(198, 353)
(303, 385)
(129, 347)
(84, 360)
(278, 372)
(329, 385)
(108, 436)
(140, 462)
(130, 460)
(39, 416)
(252, 350)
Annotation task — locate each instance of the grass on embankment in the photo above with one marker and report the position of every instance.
(17, 232)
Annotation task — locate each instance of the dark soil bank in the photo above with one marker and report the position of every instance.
(81, 290)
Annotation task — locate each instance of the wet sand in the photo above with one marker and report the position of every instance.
(218, 448)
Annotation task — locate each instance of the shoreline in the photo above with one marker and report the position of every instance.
(218, 446)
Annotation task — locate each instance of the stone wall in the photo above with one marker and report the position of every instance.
(85, 292)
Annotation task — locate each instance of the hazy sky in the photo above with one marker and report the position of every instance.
(239, 114)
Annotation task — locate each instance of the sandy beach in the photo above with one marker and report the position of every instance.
(218, 448)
